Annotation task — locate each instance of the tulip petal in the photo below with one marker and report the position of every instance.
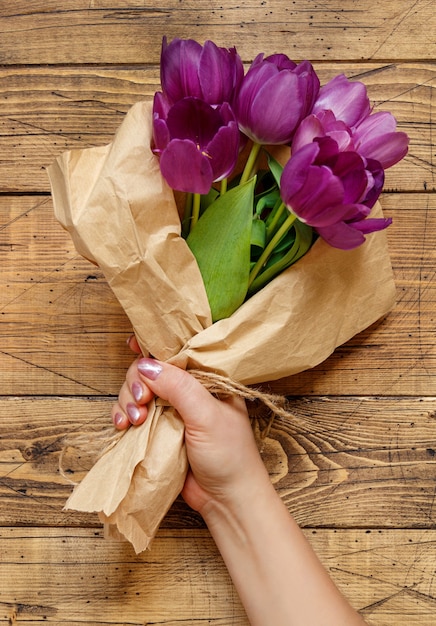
(223, 151)
(348, 100)
(347, 236)
(220, 72)
(312, 192)
(319, 202)
(341, 235)
(161, 135)
(377, 173)
(373, 224)
(281, 61)
(256, 76)
(310, 128)
(377, 124)
(352, 213)
(186, 168)
(387, 149)
(161, 106)
(191, 118)
(178, 68)
(309, 84)
(275, 110)
(349, 167)
(294, 173)
(376, 138)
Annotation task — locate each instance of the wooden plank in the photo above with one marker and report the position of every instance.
(75, 576)
(340, 462)
(48, 110)
(64, 333)
(119, 32)
(47, 294)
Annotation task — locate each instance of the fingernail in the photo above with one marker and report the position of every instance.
(149, 368)
(137, 391)
(118, 419)
(133, 412)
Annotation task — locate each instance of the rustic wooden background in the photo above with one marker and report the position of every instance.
(358, 466)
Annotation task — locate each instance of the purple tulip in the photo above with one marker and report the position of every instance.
(347, 99)
(333, 192)
(198, 144)
(275, 95)
(342, 111)
(206, 72)
(374, 138)
(324, 124)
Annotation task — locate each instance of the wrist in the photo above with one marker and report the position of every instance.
(239, 512)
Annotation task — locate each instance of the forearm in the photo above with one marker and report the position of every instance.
(277, 575)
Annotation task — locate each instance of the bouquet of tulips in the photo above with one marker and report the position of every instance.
(259, 222)
(230, 218)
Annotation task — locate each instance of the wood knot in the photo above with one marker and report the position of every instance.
(33, 452)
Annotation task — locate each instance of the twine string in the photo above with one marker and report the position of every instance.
(222, 385)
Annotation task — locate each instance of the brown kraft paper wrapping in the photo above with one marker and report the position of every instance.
(123, 217)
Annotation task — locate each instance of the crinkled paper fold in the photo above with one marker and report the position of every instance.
(123, 217)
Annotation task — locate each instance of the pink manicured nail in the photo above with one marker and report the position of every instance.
(118, 419)
(137, 391)
(149, 368)
(133, 412)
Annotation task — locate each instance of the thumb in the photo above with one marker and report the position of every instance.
(186, 394)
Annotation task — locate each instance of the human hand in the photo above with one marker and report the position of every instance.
(275, 571)
(222, 452)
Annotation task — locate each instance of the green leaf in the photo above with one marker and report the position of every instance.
(220, 241)
(276, 169)
(266, 201)
(207, 199)
(258, 234)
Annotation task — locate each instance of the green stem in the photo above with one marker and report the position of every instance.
(249, 166)
(275, 269)
(271, 245)
(223, 186)
(195, 209)
(187, 215)
(272, 226)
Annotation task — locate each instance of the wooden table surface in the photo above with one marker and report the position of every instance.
(357, 468)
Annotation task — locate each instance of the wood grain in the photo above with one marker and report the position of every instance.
(101, 31)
